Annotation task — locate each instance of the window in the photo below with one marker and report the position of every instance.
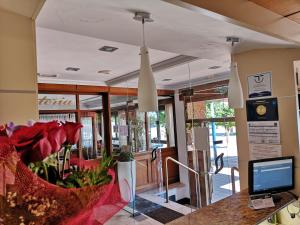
(140, 131)
(161, 127)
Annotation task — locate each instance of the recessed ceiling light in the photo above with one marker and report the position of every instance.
(47, 75)
(104, 71)
(167, 79)
(72, 69)
(214, 67)
(108, 49)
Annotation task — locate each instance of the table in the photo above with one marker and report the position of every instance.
(233, 210)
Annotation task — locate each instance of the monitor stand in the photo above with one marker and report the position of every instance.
(276, 197)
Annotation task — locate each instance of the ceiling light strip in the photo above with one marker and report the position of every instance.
(165, 64)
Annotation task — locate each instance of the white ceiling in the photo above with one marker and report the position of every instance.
(70, 32)
(58, 50)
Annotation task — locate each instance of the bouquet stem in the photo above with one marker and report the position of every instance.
(66, 150)
(45, 170)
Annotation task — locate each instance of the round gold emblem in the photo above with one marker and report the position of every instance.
(261, 110)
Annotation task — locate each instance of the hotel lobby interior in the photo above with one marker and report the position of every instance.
(139, 112)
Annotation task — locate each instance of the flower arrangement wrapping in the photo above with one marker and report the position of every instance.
(26, 198)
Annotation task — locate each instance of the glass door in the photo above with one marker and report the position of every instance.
(222, 137)
(217, 118)
(88, 131)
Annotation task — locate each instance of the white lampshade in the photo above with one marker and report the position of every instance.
(235, 92)
(147, 93)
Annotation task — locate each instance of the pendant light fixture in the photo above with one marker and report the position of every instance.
(235, 92)
(147, 92)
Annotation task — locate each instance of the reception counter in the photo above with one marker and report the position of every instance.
(233, 210)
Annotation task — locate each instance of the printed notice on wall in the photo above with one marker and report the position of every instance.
(260, 85)
(262, 151)
(264, 132)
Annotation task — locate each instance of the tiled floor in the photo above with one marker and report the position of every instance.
(222, 181)
(222, 189)
(125, 218)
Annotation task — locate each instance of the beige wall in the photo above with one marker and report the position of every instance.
(18, 82)
(280, 63)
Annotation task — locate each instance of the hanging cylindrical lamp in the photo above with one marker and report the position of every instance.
(235, 92)
(147, 92)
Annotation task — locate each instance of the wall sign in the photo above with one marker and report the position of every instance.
(267, 132)
(56, 102)
(262, 109)
(260, 85)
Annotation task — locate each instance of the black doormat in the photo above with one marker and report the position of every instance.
(155, 211)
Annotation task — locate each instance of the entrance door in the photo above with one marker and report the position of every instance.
(219, 120)
(223, 140)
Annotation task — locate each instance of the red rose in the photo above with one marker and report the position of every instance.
(37, 142)
(72, 131)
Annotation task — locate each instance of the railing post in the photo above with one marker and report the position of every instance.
(198, 190)
(233, 179)
(167, 181)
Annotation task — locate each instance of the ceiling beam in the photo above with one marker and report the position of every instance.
(165, 64)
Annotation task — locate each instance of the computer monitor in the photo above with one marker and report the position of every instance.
(271, 175)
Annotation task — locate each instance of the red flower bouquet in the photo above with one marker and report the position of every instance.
(88, 197)
(37, 142)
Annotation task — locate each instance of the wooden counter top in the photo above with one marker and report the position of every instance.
(232, 210)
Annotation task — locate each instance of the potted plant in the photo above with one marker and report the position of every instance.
(127, 175)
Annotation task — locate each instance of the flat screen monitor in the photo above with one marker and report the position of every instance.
(271, 175)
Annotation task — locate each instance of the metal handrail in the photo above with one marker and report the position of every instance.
(198, 191)
(233, 179)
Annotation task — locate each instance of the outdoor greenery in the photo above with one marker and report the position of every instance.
(219, 109)
(162, 118)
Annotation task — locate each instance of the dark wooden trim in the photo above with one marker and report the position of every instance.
(58, 111)
(175, 126)
(107, 123)
(122, 91)
(166, 101)
(94, 89)
(203, 87)
(70, 88)
(56, 87)
(134, 91)
(226, 119)
(88, 89)
(161, 92)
